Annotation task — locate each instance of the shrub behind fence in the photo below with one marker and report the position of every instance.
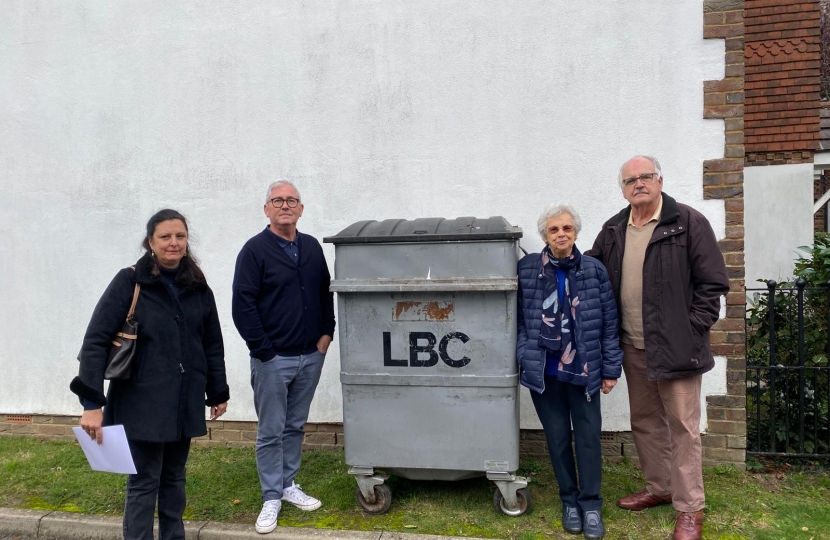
(787, 372)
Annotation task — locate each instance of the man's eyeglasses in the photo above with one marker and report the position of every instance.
(291, 202)
(645, 178)
(565, 229)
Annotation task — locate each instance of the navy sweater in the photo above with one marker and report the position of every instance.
(281, 307)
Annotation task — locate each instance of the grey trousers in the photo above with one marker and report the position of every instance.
(283, 390)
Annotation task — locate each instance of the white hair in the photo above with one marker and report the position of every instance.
(653, 161)
(280, 183)
(554, 210)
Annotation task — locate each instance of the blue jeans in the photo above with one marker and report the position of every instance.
(283, 390)
(160, 474)
(558, 406)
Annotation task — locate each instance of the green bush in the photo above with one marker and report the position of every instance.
(776, 405)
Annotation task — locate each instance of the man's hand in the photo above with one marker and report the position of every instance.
(608, 385)
(218, 410)
(91, 423)
(323, 344)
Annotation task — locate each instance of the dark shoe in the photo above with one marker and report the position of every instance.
(593, 527)
(571, 520)
(643, 500)
(689, 526)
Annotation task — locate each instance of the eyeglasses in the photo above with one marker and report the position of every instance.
(291, 202)
(565, 229)
(645, 178)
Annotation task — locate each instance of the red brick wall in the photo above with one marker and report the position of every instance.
(725, 438)
(782, 59)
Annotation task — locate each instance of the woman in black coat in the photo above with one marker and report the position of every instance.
(177, 371)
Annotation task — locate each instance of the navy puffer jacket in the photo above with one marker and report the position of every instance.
(596, 314)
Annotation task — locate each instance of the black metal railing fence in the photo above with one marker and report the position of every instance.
(787, 372)
(823, 185)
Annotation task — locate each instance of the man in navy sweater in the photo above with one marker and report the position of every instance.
(284, 311)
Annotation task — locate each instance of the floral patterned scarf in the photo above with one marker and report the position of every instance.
(559, 320)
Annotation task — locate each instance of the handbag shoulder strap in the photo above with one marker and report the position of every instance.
(135, 299)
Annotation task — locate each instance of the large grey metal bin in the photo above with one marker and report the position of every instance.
(427, 326)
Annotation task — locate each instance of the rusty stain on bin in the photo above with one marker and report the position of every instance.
(437, 313)
(408, 310)
(400, 307)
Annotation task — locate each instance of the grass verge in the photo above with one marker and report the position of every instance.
(223, 486)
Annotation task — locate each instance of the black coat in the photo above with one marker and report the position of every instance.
(684, 276)
(179, 357)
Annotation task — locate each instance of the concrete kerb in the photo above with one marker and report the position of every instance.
(18, 524)
(219, 531)
(68, 526)
(23, 523)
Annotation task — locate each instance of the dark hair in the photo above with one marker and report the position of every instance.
(189, 271)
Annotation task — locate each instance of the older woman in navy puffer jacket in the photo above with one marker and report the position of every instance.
(568, 349)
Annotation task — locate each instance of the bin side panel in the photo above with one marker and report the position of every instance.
(436, 260)
(421, 427)
(457, 334)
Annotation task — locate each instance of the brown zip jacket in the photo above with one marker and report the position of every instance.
(684, 276)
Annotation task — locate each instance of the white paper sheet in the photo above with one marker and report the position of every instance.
(112, 455)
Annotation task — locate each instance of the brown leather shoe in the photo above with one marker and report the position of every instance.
(689, 526)
(643, 500)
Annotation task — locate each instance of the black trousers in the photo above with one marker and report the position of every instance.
(160, 476)
(558, 406)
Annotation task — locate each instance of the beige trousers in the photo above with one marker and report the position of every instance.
(665, 421)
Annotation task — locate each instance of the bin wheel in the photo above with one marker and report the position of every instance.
(383, 500)
(524, 499)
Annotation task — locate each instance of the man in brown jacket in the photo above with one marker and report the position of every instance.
(668, 276)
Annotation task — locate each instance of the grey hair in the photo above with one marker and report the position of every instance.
(554, 210)
(280, 183)
(653, 161)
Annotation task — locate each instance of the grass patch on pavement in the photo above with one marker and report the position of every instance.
(222, 485)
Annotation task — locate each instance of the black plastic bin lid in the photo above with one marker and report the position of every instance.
(426, 230)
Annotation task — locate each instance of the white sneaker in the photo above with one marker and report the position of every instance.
(267, 520)
(294, 495)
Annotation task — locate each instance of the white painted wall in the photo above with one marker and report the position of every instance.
(113, 110)
(778, 218)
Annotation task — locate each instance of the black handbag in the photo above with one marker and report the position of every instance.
(122, 350)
